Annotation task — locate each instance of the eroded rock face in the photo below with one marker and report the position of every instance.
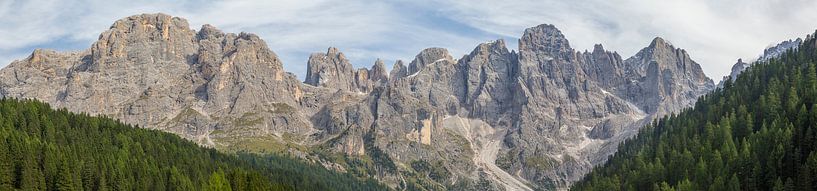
(154, 71)
(330, 69)
(555, 111)
(398, 70)
(378, 72)
(426, 57)
(670, 79)
(537, 118)
(737, 68)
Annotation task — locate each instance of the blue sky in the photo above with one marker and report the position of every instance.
(715, 33)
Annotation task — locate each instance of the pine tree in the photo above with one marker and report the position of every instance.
(6, 165)
(31, 177)
(218, 182)
(686, 185)
(811, 83)
(778, 185)
(178, 181)
(102, 183)
(792, 101)
(64, 180)
(734, 183)
(88, 176)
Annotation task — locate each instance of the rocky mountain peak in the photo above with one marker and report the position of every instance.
(40, 56)
(668, 73)
(208, 31)
(598, 49)
(330, 69)
(545, 38)
(660, 49)
(251, 37)
(738, 68)
(378, 71)
(428, 56)
(156, 26)
(777, 50)
(143, 38)
(659, 42)
(492, 46)
(768, 54)
(496, 47)
(46, 61)
(398, 70)
(154, 71)
(658, 52)
(334, 51)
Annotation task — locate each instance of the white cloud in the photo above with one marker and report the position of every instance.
(715, 33)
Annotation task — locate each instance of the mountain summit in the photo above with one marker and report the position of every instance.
(539, 118)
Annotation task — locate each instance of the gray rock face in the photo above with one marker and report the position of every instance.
(779, 49)
(398, 70)
(332, 70)
(536, 119)
(490, 72)
(737, 68)
(154, 71)
(670, 80)
(426, 57)
(378, 72)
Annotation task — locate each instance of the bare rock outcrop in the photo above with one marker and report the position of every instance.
(539, 118)
(154, 71)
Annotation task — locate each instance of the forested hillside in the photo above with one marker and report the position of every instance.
(44, 149)
(758, 133)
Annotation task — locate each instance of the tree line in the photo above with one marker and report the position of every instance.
(46, 149)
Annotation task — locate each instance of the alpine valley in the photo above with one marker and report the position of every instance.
(538, 117)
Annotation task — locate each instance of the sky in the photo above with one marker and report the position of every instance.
(714, 33)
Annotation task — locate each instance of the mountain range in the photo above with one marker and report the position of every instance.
(537, 118)
(756, 132)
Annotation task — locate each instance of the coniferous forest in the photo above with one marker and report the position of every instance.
(45, 149)
(758, 133)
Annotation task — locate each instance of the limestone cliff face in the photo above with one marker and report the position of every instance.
(670, 80)
(332, 70)
(551, 112)
(539, 118)
(398, 70)
(378, 72)
(154, 71)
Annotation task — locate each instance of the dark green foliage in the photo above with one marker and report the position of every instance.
(758, 133)
(44, 149)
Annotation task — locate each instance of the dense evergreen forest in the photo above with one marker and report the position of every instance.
(758, 133)
(45, 149)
